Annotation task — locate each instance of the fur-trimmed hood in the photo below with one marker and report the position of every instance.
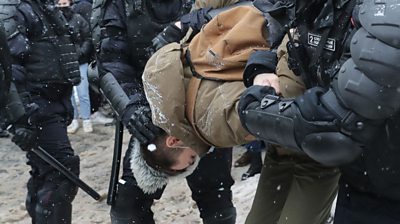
(147, 178)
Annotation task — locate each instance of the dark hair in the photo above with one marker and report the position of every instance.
(163, 157)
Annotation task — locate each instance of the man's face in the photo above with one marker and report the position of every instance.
(185, 159)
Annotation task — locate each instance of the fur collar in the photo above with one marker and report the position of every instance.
(147, 178)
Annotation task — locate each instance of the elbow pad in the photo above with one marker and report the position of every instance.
(284, 122)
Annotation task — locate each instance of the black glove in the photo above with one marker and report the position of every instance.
(24, 137)
(311, 107)
(137, 119)
(195, 20)
(170, 34)
(259, 62)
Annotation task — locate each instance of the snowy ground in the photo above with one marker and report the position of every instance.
(95, 150)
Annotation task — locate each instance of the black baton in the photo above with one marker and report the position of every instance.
(112, 188)
(39, 151)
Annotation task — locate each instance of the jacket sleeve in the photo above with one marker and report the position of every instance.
(19, 45)
(113, 54)
(86, 45)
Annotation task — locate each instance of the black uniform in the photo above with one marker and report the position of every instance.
(83, 8)
(360, 122)
(44, 69)
(82, 38)
(126, 37)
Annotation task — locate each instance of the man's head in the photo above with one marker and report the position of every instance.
(168, 154)
(64, 3)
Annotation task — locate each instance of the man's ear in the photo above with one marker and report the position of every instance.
(172, 141)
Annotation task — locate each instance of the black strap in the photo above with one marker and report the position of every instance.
(193, 70)
(344, 21)
(293, 52)
(191, 66)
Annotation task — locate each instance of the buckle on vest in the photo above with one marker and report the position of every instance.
(268, 100)
(283, 105)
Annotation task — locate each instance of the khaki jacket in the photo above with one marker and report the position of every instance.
(216, 106)
(218, 51)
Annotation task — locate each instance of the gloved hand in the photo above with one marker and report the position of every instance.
(311, 107)
(195, 20)
(170, 34)
(137, 119)
(24, 137)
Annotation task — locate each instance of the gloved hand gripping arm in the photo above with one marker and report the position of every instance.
(134, 113)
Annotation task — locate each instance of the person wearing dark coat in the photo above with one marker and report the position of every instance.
(44, 69)
(84, 48)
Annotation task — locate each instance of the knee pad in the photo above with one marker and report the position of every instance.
(54, 202)
(31, 198)
(131, 204)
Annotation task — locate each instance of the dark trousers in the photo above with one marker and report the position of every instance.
(210, 184)
(49, 193)
(356, 207)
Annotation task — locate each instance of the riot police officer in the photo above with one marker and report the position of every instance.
(123, 33)
(44, 69)
(346, 54)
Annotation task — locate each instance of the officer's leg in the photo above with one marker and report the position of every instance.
(272, 189)
(211, 187)
(131, 204)
(311, 194)
(50, 193)
(54, 200)
(33, 185)
(358, 207)
(293, 189)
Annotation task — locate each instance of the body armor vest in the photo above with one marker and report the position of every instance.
(320, 44)
(146, 19)
(52, 55)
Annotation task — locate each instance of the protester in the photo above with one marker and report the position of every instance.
(84, 48)
(346, 54)
(126, 32)
(44, 69)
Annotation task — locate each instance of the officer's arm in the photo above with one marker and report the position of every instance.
(17, 113)
(113, 56)
(127, 98)
(263, 61)
(19, 47)
(86, 47)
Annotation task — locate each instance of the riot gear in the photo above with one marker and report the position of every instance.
(362, 99)
(38, 106)
(291, 124)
